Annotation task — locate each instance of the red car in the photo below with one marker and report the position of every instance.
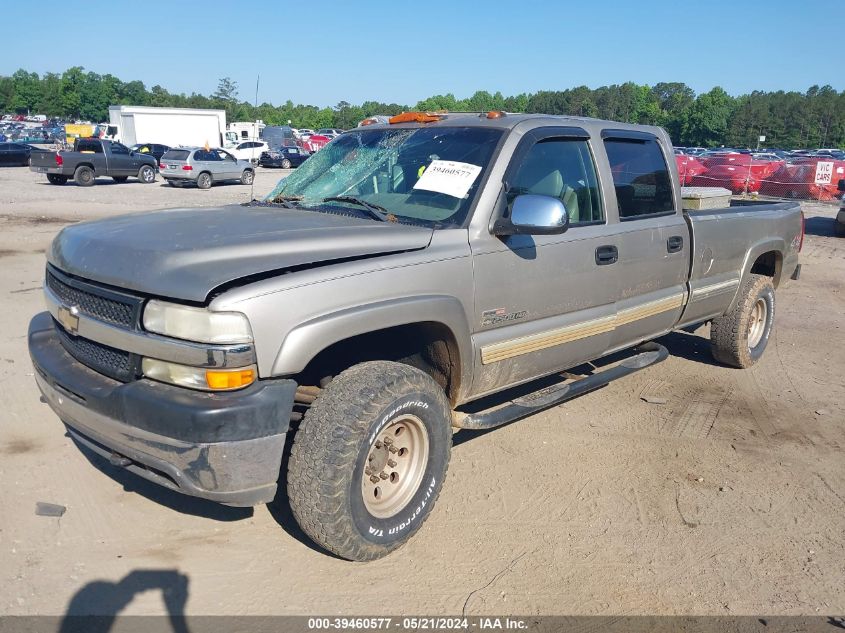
(798, 180)
(315, 142)
(688, 167)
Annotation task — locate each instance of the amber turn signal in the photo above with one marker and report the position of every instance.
(221, 380)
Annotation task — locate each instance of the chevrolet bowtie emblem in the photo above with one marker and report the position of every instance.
(69, 318)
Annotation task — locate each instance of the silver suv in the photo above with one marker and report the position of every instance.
(204, 167)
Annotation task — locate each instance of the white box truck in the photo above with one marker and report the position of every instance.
(168, 126)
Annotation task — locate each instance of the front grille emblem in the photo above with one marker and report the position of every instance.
(69, 318)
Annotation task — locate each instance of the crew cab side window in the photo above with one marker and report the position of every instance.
(561, 168)
(640, 177)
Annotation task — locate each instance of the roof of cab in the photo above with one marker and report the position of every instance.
(508, 121)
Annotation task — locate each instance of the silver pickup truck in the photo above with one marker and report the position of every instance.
(348, 323)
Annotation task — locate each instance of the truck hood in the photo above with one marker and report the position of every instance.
(187, 253)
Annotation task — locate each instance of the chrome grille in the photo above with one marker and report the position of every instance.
(103, 305)
(111, 362)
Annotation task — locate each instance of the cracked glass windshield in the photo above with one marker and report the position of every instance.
(420, 175)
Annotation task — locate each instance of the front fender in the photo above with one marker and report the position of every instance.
(308, 339)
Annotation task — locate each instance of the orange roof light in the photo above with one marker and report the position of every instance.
(414, 117)
(495, 114)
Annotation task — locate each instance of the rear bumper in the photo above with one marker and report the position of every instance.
(226, 447)
(40, 169)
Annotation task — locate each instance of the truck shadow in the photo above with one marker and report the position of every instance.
(95, 607)
(164, 496)
(280, 509)
(818, 225)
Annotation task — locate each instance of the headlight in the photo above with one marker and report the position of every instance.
(198, 377)
(196, 324)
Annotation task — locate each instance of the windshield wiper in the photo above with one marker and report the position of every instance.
(375, 211)
(286, 201)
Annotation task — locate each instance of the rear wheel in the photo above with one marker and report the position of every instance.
(739, 338)
(56, 179)
(204, 180)
(84, 176)
(119, 178)
(146, 174)
(369, 459)
(247, 177)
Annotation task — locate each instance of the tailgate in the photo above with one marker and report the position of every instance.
(43, 159)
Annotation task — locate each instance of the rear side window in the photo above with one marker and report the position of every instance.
(640, 177)
(563, 169)
(89, 147)
(176, 154)
(117, 148)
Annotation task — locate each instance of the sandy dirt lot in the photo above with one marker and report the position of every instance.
(728, 499)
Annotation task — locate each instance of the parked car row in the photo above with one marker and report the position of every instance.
(798, 176)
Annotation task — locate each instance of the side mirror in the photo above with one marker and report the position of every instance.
(842, 184)
(534, 215)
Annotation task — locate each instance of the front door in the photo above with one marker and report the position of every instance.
(545, 303)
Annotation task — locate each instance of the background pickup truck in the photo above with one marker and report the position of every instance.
(402, 282)
(91, 158)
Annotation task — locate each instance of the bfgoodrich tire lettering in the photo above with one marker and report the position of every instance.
(331, 450)
(739, 338)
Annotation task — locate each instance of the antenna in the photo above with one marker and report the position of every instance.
(255, 128)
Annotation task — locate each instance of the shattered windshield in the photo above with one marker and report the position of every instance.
(428, 175)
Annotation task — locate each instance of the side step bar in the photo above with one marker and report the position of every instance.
(647, 354)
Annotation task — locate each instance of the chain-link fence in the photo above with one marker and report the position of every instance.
(801, 176)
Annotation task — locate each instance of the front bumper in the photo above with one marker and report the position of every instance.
(226, 447)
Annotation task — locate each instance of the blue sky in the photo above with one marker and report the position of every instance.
(323, 51)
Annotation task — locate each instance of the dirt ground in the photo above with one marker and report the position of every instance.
(729, 499)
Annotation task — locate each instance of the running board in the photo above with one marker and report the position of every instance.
(648, 354)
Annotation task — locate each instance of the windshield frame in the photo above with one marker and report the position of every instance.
(483, 176)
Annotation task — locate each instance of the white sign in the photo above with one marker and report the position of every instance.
(449, 177)
(762, 139)
(824, 172)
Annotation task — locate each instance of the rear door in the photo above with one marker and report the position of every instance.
(544, 303)
(653, 238)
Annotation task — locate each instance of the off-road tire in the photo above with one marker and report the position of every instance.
(729, 334)
(120, 179)
(147, 174)
(247, 177)
(331, 448)
(56, 179)
(204, 180)
(84, 176)
(286, 164)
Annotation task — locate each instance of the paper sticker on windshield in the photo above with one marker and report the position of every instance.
(449, 177)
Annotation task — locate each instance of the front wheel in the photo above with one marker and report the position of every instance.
(739, 338)
(286, 164)
(146, 174)
(369, 459)
(247, 177)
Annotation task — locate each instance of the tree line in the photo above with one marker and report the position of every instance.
(815, 118)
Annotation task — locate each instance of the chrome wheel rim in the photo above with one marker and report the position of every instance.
(757, 323)
(395, 466)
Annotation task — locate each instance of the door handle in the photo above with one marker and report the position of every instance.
(674, 244)
(605, 255)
